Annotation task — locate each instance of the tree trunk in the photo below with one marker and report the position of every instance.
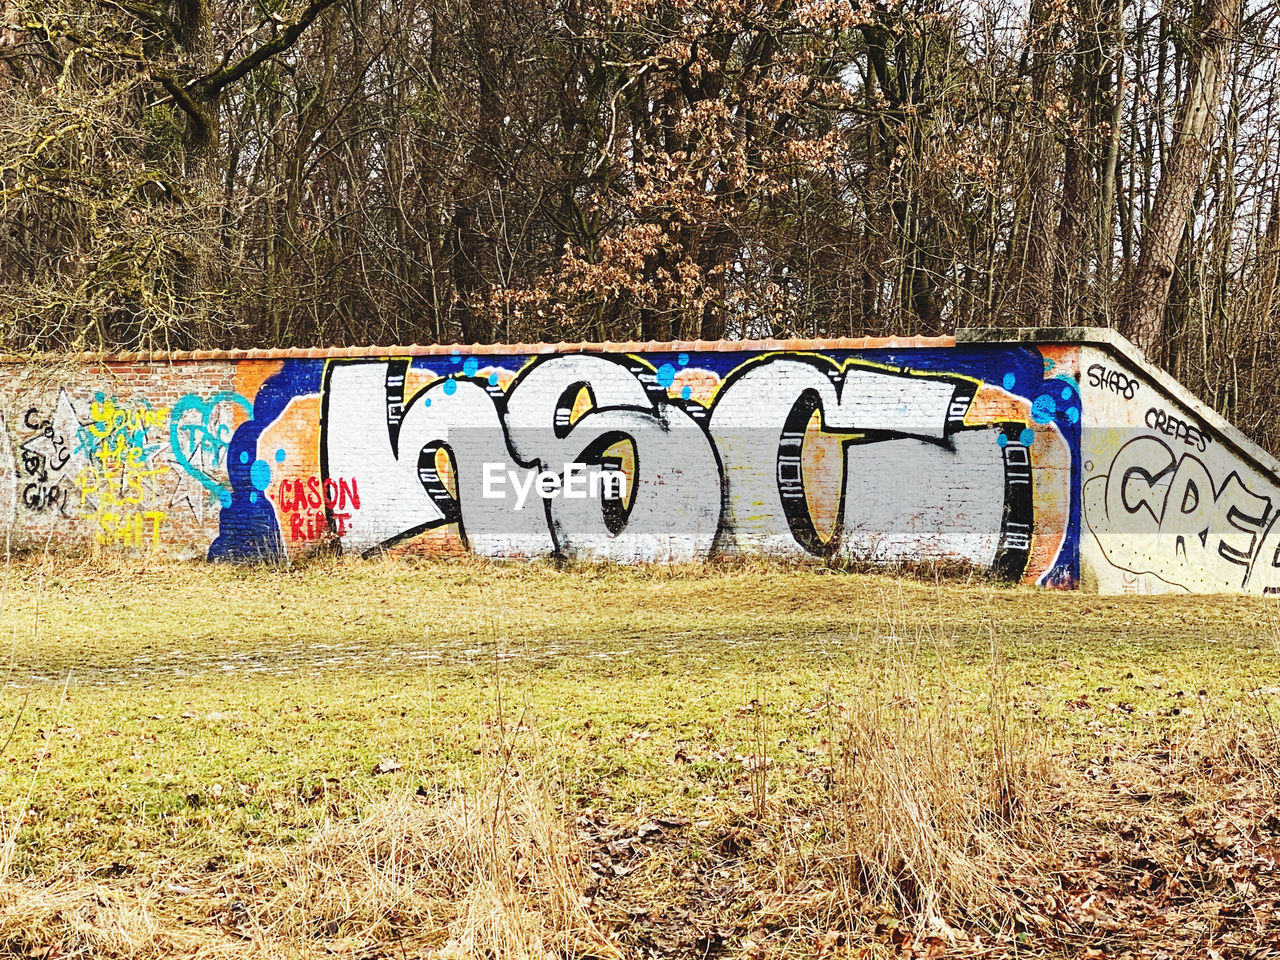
(1107, 208)
(1043, 210)
(1181, 173)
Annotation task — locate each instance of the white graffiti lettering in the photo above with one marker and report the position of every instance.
(912, 478)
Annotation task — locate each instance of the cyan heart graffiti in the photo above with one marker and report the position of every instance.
(200, 441)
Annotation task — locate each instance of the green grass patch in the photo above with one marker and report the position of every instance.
(181, 717)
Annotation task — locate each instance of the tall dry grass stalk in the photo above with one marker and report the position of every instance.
(488, 868)
(491, 868)
(941, 802)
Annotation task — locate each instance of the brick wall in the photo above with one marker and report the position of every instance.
(875, 450)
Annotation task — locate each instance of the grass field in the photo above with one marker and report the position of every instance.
(463, 759)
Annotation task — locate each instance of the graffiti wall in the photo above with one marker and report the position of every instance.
(1054, 462)
(913, 452)
(118, 457)
(1174, 499)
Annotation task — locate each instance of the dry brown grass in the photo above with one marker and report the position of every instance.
(78, 917)
(942, 809)
(940, 820)
(491, 869)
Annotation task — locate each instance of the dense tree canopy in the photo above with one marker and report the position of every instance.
(178, 173)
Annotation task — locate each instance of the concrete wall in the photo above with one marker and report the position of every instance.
(1054, 457)
(1174, 498)
(879, 450)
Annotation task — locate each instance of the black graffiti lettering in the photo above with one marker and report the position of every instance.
(34, 464)
(1015, 537)
(433, 483)
(33, 496)
(1146, 493)
(37, 496)
(1164, 422)
(63, 455)
(46, 451)
(1246, 513)
(1191, 528)
(790, 471)
(1114, 380)
(1264, 572)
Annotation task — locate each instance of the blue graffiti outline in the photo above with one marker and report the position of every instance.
(247, 526)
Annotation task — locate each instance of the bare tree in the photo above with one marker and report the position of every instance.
(190, 173)
(1181, 173)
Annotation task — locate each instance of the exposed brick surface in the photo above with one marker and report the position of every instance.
(911, 449)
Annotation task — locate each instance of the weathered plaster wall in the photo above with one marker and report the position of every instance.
(1174, 498)
(914, 450)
